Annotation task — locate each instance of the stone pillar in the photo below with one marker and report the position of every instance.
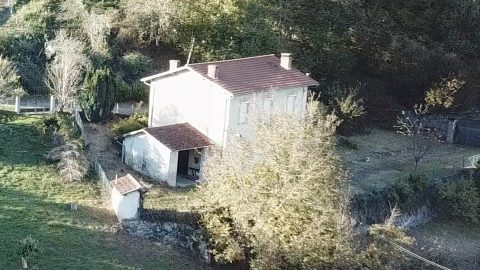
(17, 105)
(451, 130)
(52, 104)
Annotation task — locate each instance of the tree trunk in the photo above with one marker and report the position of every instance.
(24, 263)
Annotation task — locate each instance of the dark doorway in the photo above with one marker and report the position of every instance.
(182, 168)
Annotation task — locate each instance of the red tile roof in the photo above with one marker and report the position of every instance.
(254, 74)
(126, 184)
(179, 137)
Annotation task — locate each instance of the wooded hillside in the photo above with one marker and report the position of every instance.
(392, 51)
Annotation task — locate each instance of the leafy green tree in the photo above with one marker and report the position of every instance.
(98, 95)
(441, 95)
(277, 198)
(9, 80)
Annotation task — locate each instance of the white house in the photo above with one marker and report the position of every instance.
(213, 99)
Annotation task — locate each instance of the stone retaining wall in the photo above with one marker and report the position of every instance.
(178, 234)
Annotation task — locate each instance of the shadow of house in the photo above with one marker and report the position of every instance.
(22, 144)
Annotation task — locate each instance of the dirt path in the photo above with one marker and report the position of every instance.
(107, 152)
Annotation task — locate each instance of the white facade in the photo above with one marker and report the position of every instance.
(125, 206)
(187, 97)
(148, 156)
(292, 100)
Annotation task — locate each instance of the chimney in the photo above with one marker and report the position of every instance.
(286, 61)
(213, 71)
(174, 64)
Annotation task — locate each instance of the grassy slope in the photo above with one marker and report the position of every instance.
(33, 200)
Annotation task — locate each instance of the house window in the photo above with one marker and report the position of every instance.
(196, 160)
(243, 113)
(268, 107)
(291, 100)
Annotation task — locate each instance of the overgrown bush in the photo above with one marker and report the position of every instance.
(62, 124)
(461, 199)
(98, 95)
(136, 63)
(72, 161)
(412, 192)
(27, 248)
(273, 200)
(347, 104)
(382, 252)
(9, 80)
(441, 95)
(134, 122)
(135, 91)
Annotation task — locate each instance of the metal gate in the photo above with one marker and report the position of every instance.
(467, 132)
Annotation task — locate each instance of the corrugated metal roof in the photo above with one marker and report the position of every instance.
(254, 74)
(179, 137)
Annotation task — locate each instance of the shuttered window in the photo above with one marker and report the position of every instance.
(243, 113)
(291, 100)
(268, 107)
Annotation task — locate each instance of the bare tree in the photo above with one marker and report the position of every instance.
(412, 125)
(9, 80)
(94, 26)
(65, 71)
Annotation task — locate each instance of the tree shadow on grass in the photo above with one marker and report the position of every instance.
(22, 143)
(83, 239)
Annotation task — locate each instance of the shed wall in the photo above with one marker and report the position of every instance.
(125, 206)
(148, 156)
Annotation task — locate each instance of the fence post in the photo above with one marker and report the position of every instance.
(116, 108)
(52, 104)
(17, 104)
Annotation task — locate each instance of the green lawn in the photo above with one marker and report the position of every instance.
(34, 201)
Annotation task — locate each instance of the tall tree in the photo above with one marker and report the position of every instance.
(98, 95)
(277, 197)
(9, 80)
(65, 71)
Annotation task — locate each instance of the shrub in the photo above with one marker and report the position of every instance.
(72, 162)
(134, 122)
(136, 63)
(411, 193)
(441, 95)
(27, 248)
(63, 123)
(345, 102)
(7, 116)
(9, 80)
(461, 199)
(98, 96)
(135, 91)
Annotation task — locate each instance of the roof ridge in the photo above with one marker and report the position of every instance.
(231, 60)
